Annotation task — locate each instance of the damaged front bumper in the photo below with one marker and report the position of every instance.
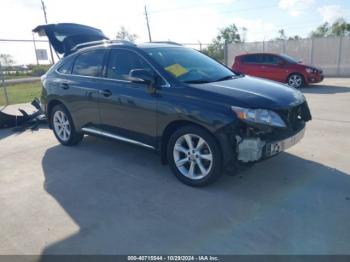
(24, 120)
(257, 142)
(252, 149)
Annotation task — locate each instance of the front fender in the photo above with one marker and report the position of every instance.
(216, 118)
(211, 116)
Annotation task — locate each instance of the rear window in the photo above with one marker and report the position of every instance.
(89, 64)
(66, 68)
(249, 59)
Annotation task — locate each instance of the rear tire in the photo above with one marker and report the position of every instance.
(296, 80)
(194, 156)
(63, 126)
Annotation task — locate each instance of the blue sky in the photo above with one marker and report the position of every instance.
(180, 20)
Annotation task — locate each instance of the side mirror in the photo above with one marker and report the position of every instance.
(141, 76)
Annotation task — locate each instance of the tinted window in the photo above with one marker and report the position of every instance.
(289, 59)
(272, 59)
(89, 64)
(121, 62)
(66, 68)
(252, 59)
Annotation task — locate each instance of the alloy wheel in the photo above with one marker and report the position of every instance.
(193, 156)
(62, 126)
(295, 81)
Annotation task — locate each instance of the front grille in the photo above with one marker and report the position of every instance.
(296, 115)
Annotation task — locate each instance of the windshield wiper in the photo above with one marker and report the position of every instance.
(201, 81)
(225, 78)
(196, 81)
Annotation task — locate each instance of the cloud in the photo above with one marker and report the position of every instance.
(330, 13)
(295, 7)
(219, 1)
(257, 29)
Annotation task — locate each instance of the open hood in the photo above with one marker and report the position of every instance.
(64, 37)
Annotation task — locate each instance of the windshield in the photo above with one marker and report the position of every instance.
(289, 59)
(188, 65)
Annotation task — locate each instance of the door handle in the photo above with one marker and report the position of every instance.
(64, 86)
(106, 92)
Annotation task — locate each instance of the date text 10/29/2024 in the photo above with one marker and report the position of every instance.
(173, 258)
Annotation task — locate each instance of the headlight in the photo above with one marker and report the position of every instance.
(259, 116)
(310, 70)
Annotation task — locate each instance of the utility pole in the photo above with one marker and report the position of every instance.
(149, 30)
(200, 45)
(45, 16)
(36, 55)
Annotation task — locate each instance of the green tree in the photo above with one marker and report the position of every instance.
(123, 34)
(296, 37)
(228, 34)
(321, 31)
(6, 60)
(282, 35)
(339, 28)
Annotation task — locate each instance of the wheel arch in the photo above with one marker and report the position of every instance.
(296, 73)
(52, 103)
(175, 125)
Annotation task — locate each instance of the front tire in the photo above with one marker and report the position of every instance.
(194, 156)
(296, 80)
(63, 126)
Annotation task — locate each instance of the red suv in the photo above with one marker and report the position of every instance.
(280, 68)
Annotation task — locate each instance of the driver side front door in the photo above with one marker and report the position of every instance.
(127, 109)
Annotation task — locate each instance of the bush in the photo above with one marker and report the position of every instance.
(39, 70)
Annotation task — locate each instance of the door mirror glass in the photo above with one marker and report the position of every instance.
(141, 76)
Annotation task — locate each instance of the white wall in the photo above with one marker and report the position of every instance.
(331, 54)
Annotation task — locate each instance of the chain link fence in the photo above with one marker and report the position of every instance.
(19, 82)
(22, 62)
(331, 54)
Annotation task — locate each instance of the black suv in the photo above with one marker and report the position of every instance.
(199, 115)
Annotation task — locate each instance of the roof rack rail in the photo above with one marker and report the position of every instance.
(101, 42)
(125, 42)
(166, 42)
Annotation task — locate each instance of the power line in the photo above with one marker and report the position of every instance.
(196, 6)
(289, 25)
(181, 7)
(22, 40)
